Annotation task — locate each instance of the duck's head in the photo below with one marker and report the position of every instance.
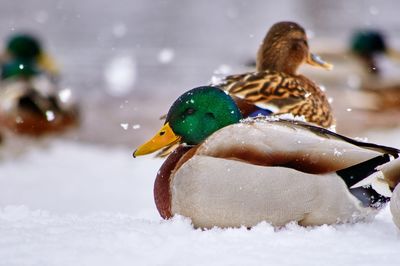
(368, 43)
(24, 46)
(193, 117)
(18, 68)
(285, 48)
(27, 47)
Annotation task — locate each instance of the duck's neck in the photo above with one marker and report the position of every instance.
(276, 59)
(370, 64)
(162, 193)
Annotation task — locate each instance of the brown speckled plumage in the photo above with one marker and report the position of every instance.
(293, 94)
(276, 84)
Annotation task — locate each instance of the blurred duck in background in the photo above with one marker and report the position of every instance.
(380, 83)
(367, 61)
(30, 102)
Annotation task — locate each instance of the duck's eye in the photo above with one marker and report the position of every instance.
(298, 44)
(211, 115)
(189, 111)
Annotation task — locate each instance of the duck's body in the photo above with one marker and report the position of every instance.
(264, 170)
(33, 106)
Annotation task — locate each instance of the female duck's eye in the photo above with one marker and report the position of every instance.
(299, 43)
(189, 111)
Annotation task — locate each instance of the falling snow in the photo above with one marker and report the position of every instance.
(166, 56)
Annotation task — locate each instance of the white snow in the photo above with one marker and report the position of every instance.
(78, 204)
(120, 75)
(65, 95)
(124, 126)
(166, 55)
(223, 70)
(50, 115)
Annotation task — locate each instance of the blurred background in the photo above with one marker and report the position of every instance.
(127, 60)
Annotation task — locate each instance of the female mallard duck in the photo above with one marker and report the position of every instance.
(29, 102)
(233, 173)
(28, 48)
(276, 87)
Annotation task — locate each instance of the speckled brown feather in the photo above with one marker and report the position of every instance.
(293, 94)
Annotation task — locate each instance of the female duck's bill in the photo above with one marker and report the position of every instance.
(316, 60)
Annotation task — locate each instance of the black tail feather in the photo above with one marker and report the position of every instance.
(356, 173)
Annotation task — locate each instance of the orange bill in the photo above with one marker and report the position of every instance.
(315, 60)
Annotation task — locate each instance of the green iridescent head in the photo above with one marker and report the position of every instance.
(18, 68)
(24, 46)
(200, 112)
(193, 117)
(368, 43)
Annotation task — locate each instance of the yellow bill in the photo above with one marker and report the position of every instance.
(394, 54)
(47, 63)
(164, 137)
(315, 60)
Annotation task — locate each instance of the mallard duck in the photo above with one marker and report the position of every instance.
(232, 173)
(30, 103)
(276, 87)
(28, 48)
(378, 90)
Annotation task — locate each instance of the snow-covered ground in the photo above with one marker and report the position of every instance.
(77, 204)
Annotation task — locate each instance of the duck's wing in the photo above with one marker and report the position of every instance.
(292, 144)
(325, 133)
(368, 170)
(370, 181)
(266, 89)
(373, 180)
(281, 93)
